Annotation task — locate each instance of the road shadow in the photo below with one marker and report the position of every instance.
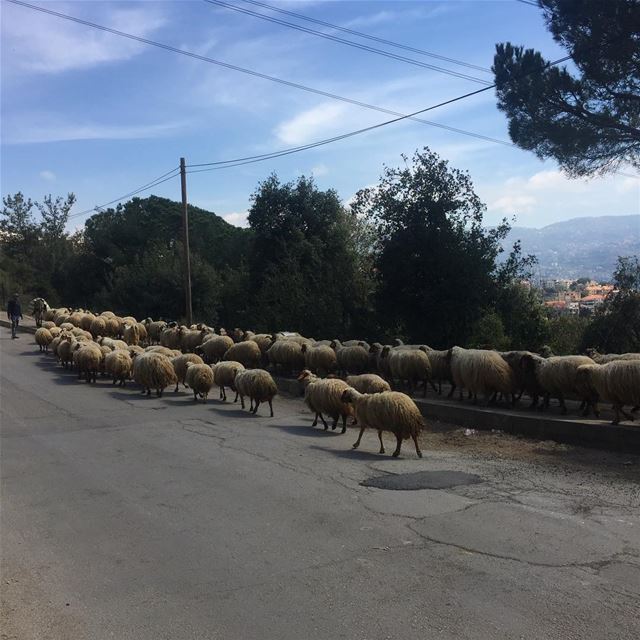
(306, 430)
(355, 454)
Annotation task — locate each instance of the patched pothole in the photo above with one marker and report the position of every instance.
(422, 480)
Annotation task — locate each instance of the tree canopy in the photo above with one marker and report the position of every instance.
(587, 119)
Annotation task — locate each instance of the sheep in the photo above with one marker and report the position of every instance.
(248, 353)
(389, 411)
(600, 358)
(81, 333)
(351, 358)
(98, 327)
(48, 324)
(156, 348)
(481, 371)
(368, 383)
(286, 355)
(131, 334)
(65, 350)
(43, 338)
(88, 359)
(199, 378)
(213, 348)
(411, 365)
(525, 379)
(224, 374)
(617, 382)
(85, 321)
(319, 360)
(170, 337)
(134, 349)
(118, 365)
(556, 376)
(61, 319)
(180, 366)
(189, 339)
(264, 341)
(324, 396)
(153, 371)
(441, 369)
(154, 329)
(55, 331)
(258, 385)
(143, 336)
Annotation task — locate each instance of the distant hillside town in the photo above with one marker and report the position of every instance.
(574, 297)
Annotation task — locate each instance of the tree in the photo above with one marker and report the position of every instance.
(589, 122)
(434, 260)
(19, 229)
(616, 324)
(303, 266)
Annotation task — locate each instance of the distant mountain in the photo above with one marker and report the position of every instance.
(580, 247)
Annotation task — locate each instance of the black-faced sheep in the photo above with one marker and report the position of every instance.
(389, 411)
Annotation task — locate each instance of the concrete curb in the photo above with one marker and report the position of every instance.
(598, 434)
(22, 328)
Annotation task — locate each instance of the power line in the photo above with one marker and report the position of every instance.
(150, 185)
(295, 85)
(368, 36)
(349, 43)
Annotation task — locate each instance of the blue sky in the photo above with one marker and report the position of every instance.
(99, 115)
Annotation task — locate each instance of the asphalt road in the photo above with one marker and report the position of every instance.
(127, 517)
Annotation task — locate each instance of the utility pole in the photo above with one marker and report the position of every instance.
(185, 242)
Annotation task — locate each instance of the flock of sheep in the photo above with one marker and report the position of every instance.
(157, 354)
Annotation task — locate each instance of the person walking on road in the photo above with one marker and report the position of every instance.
(14, 313)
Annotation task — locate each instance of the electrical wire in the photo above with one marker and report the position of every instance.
(295, 85)
(150, 185)
(349, 43)
(368, 36)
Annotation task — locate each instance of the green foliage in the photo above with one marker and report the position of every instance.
(435, 262)
(566, 334)
(587, 122)
(488, 333)
(616, 324)
(304, 273)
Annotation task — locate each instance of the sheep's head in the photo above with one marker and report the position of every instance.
(335, 343)
(375, 348)
(386, 350)
(528, 362)
(348, 396)
(305, 376)
(304, 348)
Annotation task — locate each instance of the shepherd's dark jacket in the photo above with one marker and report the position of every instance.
(13, 309)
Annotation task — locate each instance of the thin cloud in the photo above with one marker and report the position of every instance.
(237, 218)
(43, 44)
(48, 176)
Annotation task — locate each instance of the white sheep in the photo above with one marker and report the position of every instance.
(258, 385)
(351, 358)
(224, 375)
(214, 347)
(153, 371)
(286, 355)
(199, 378)
(368, 383)
(617, 382)
(180, 366)
(118, 365)
(325, 396)
(410, 365)
(320, 360)
(43, 338)
(388, 411)
(248, 353)
(481, 371)
(556, 376)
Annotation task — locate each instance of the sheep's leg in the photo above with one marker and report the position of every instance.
(326, 426)
(381, 443)
(433, 386)
(114, 380)
(223, 395)
(628, 416)
(415, 441)
(195, 396)
(255, 407)
(271, 407)
(335, 423)
(396, 453)
(236, 399)
(356, 444)
(176, 389)
(562, 405)
(241, 399)
(344, 423)
(315, 420)
(616, 419)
